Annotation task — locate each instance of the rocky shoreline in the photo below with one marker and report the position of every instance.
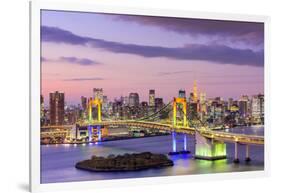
(126, 162)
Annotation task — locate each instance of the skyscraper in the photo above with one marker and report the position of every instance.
(98, 93)
(151, 98)
(182, 94)
(159, 103)
(126, 101)
(56, 108)
(134, 99)
(230, 103)
(203, 103)
(105, 103)
(42, 111)
(84, 102)
(243, 105)
(258, 107)
(41, 106)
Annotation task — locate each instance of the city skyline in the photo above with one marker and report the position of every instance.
(164, 54)
(46, 100)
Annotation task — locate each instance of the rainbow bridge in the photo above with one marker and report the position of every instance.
(209, 145)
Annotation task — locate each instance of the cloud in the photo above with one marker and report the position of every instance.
(213, 53)
(249, 32)
(83, 79)
(81, 61)
(72, 60)
(54, 34)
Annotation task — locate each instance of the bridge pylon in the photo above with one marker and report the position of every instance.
(208, 148)
(183, 103)
(91, 102)
(94, 102)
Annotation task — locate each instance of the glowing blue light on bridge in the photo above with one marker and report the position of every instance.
(99, 133)
(174, 141)
(185, 142)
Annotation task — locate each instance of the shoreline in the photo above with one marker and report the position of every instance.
(113, 139)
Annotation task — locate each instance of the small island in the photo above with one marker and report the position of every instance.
(126, 162)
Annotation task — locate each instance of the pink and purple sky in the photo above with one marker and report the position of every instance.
(123, 54)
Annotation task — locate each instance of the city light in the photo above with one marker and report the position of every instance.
(190, 115)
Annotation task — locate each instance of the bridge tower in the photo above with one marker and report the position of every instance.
(183, 104)
(94, 102)
(97, 102)
(181, 101)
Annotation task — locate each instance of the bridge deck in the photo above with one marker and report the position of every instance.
(208, 133)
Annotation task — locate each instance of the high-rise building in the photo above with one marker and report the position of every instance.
(261, 97)
(56, 108)
(84, 103)
(151, 98)
(243, 105)
(202, 103)
(243, 108)
(42, 111)
(159, 103)
(182, 94)
(134, 99)
(126, 101)
(202, 97)
(230, 103)
(42, 106)
(105, 103)
(258, 107)
(98, 93)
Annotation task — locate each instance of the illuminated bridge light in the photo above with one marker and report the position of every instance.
(174, 141)
(185, 143)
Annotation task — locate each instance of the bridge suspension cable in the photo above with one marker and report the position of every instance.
(154, 114)
(190, 120)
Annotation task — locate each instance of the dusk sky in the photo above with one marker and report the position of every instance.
(123, 54)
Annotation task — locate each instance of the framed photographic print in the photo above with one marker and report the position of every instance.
(123, 95)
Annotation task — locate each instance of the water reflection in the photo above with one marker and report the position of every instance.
(58, 161)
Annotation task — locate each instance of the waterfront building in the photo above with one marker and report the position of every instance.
(56, 108)
(243, 104)
(258, 108)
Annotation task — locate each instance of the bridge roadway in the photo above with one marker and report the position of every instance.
(208, 133)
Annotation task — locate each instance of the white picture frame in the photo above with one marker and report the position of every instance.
(86, 6)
